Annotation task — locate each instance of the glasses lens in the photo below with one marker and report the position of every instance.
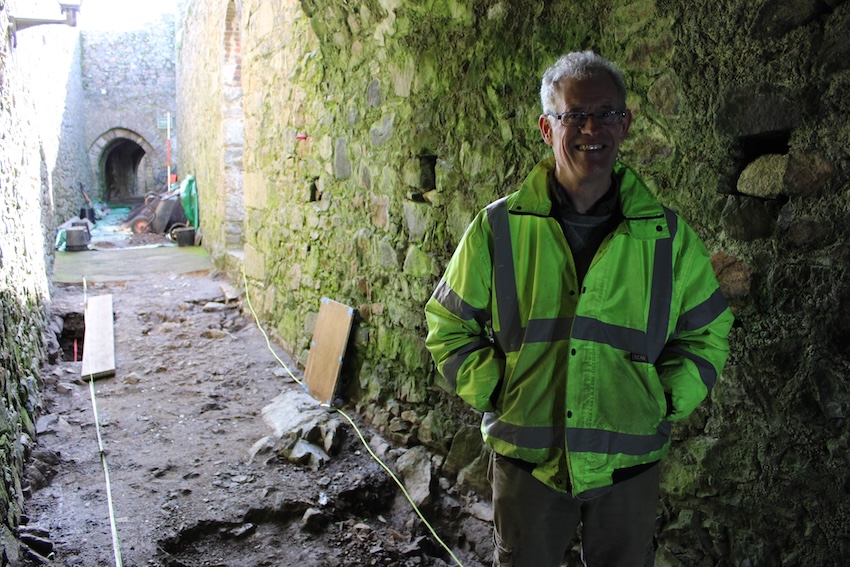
(609, 117)
(606, 117)
(573, 118)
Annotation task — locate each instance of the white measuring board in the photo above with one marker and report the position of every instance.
(99, 342)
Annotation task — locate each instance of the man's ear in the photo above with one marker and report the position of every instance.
(545, 126)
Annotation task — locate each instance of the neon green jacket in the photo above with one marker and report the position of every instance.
(577, 380)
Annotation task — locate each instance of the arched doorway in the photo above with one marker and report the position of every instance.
(121, 162)
(127, 167)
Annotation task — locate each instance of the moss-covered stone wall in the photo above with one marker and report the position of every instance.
(40, 163)
(764, 84)
(375, 130)
(201, 136)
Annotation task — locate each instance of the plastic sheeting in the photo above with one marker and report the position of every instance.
(189, 199)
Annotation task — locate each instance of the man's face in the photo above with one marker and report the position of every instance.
(585, 155)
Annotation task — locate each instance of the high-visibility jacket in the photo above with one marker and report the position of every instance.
(577, 379)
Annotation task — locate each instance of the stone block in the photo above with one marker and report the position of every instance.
(417, 263)
(382, 131)
(374, 97)
(474, 475)
(256, 192)
(255, 263)
(342, 165)
(467, 445)
(386, 255)
(306, 453)
(379, 210)
(665, 96)
(749, 219)
(411, 173)
(306, 433)
(763, 177)
(401, 75)
(415, 468)
(733, 275)
(807, 173)
(432, 431)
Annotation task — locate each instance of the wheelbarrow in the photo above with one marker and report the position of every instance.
(158, 214)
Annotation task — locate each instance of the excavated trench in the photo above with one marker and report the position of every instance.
(198, 476)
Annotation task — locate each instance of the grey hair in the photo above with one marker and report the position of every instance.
(578, 65)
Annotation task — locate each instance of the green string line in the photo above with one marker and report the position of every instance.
(356, 429)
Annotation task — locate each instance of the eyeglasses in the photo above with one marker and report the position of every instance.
(606, 117)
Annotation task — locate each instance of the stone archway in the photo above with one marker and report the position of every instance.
(126, 165)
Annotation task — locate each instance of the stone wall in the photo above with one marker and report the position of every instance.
(200, 134)
(763, 85)
(48, 58)
(129, 89)
(42, 160)
(375, 130)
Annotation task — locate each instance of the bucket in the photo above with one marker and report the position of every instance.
(184, 236)
(87, 213)
(76, 239)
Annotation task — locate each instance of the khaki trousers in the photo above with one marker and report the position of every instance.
(534, 524)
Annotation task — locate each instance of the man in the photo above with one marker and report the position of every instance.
(582, 318)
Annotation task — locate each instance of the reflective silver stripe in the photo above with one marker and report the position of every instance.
(547, 330)
(456, 305)
(704, 313)
(623, 338)
(456, 360)
(447, 297)
(612, 443)
(510, 333)
(661, 293)
(578, 440)
(707, 372)
(653, 340)
(528, 437)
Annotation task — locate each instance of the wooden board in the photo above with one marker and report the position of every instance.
(327, 350)
(99, 342)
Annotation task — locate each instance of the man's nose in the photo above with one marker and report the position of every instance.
(591, 124)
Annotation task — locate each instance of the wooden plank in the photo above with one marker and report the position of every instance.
(99, 342)
(327, 350)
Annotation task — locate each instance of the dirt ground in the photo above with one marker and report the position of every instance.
(178, 422)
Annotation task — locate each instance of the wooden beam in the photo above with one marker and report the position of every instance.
(99, 342)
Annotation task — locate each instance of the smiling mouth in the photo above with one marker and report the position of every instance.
(589, 147)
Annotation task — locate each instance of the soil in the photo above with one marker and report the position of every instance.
(177, 423)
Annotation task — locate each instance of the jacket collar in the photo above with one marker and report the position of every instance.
(636, 201)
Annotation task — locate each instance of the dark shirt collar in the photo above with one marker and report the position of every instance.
(607, 204)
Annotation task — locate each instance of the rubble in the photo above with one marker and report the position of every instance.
(218, 456)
